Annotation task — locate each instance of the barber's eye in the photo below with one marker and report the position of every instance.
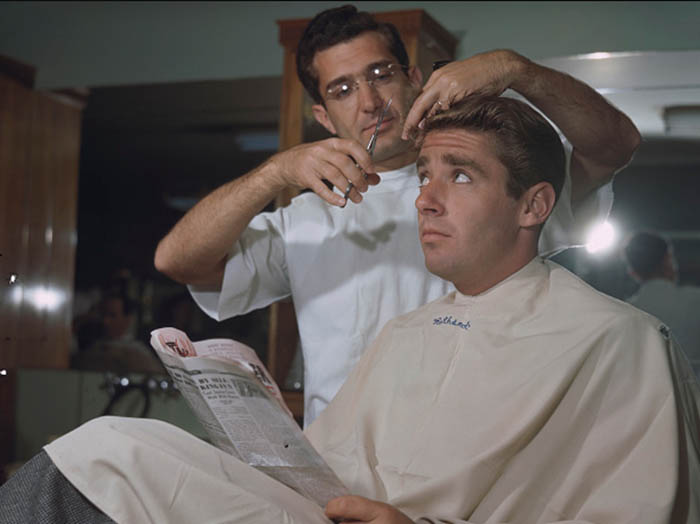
(462, 178)
(381, 75)
(342, 90)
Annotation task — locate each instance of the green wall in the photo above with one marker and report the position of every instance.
(92, 44)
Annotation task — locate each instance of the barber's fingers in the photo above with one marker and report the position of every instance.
(441, 90)
(425, 105)
(342, 172)
(355, 151)
(488, 73)
(345, 179)
(339, 161)
(317, 186)
(349, 168)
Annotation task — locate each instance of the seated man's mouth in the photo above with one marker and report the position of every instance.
(432, 234)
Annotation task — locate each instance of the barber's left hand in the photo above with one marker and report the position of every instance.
(354, 509)
(488, 73)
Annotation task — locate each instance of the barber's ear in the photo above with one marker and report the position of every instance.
(538, 203)
(415, 77)
(321, 116)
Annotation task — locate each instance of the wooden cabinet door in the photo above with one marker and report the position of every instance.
(15, 132)
(39, 155)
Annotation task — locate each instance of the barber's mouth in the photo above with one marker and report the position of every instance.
(386, 123)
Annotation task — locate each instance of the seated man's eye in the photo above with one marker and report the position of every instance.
(423, 181)
(462, 178)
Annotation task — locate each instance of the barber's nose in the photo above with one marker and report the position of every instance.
(430, 201)
(370, 97)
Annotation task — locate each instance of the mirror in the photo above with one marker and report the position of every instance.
(148, 154)
(660, 189)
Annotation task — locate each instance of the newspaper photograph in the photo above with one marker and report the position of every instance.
(243, 412)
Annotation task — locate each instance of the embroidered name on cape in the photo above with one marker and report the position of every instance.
(449, 321)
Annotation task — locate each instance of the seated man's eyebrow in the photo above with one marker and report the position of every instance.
(421, 161)
(458, 161)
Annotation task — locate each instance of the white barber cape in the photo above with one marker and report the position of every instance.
(538, 401)
(351, 270)
(677, 306)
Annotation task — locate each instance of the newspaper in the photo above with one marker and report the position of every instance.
(243, 412)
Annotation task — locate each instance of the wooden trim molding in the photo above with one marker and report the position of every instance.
(408, 22)
(18, 71)
(75, 96)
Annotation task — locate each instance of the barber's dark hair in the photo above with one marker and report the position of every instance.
(526, 144)
(645, 252)
(335, 26)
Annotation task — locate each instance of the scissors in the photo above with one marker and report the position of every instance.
(371, 144)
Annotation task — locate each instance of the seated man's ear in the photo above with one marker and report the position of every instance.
(538, 202)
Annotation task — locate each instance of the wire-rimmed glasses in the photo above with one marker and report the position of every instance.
(377, 75)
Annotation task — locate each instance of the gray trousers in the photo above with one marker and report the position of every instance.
(39, 494)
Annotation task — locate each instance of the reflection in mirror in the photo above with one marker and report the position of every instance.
(659, 191)
(149, 153)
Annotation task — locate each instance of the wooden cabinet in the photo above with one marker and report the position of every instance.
(426, 41)
(39, 155)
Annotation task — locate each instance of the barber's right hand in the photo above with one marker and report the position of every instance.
(338, 160)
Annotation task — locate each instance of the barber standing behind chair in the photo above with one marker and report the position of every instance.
(651, 262)
(351, 268)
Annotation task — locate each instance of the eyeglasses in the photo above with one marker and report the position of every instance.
(376, 76)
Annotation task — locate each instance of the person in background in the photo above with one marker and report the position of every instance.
(118, 350)
(350, 264)
(651, 262)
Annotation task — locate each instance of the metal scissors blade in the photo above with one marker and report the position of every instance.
(373, 139)
(371, 144)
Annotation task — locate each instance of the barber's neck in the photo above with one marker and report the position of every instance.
(396, 161)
